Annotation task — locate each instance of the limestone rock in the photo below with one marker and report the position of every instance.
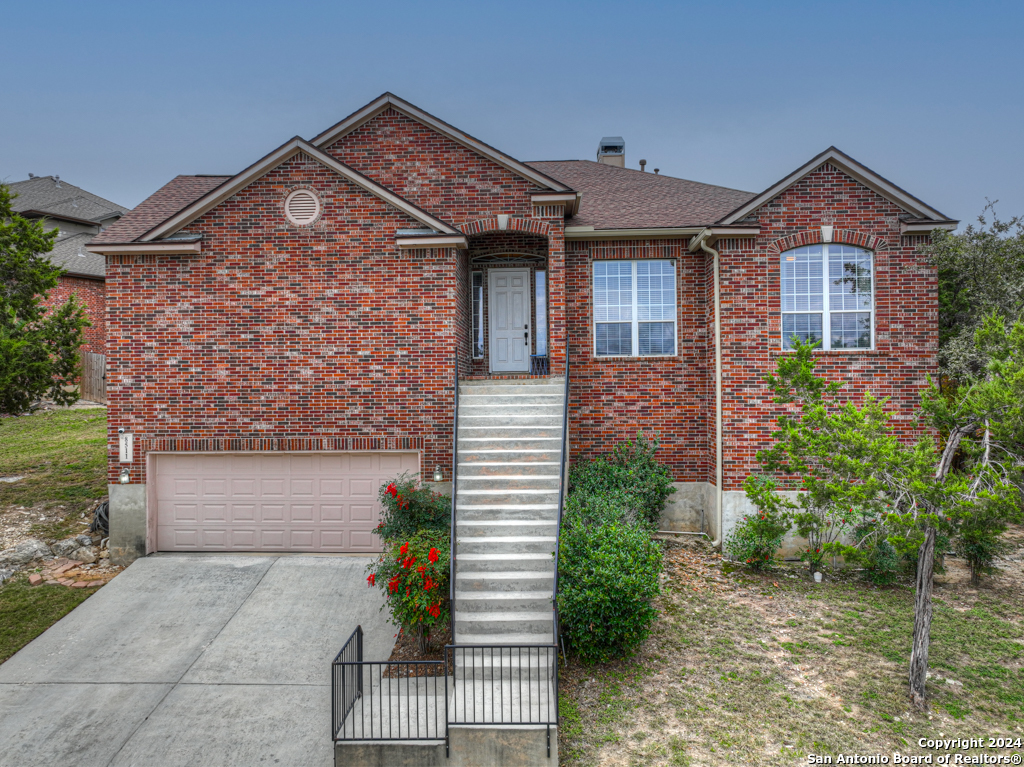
(86, 555)
(66, 547)
(24, 553)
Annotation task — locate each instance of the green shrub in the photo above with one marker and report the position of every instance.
(608, 575)
(413, 574)
(584, 507)
(408, 507)
(980, 544)
(630, 470)
(757, 538)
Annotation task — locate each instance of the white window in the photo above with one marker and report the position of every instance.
(828, 287)
(634, 308)
(478, 315)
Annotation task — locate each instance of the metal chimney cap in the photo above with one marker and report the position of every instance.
(612, 145)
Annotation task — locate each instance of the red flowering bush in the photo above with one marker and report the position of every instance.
(414, 574)
(408, 507)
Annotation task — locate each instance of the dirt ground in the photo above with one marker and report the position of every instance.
(747, 668)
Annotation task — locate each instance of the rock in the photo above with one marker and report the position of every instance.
(66, 547)
(86, 555)
(5, 574)
(84, 540)
(35, 579)
(24, 553)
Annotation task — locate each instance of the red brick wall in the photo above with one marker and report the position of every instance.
(612, 398)
(277, 337)
(92, 295)
(906, 310)
(432, 171)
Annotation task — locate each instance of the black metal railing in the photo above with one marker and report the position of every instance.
(387, 700)
(504, 685)
(540, 365)
(455, 479)
(561, 493)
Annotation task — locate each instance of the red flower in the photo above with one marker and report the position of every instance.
(371, 580)
(405, 549)
(432, 556)
(434, 609)
(421, 569)
(391, 489)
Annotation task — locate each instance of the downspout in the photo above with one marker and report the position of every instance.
(718, 387)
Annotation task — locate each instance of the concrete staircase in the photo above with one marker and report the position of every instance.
(509, 441)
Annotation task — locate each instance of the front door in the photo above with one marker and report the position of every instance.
(509, 300)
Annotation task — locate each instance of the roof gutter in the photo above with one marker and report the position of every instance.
(701, 242)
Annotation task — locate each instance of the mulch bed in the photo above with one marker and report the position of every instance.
(407, 650)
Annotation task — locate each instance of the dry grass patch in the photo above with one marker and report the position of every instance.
(764, 669)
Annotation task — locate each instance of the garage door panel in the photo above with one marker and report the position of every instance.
(273, 502)
(214, 512)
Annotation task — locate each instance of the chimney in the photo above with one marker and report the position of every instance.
(643, 165)
(612, 151)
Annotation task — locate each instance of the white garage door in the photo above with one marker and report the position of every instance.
(272, 502)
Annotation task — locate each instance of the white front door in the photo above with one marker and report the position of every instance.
(508, 296)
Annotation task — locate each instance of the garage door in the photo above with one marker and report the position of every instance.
(272, 502)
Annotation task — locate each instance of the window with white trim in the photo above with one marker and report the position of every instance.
(828, 287)
(634, 308)
(478, 315)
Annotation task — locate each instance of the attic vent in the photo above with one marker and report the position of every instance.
(302, 207)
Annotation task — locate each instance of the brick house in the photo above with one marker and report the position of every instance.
(284, 339)
(78, 216)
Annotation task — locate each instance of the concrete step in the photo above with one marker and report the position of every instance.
(535, 386)
(503, 497)
(504, 448)
(502, 621)
(487, 527)
(519, 400)
(490, 431)
(508, 482)
(492, 408)
(499, 420)
(517, 664)
(507, 468)
(488, 563)
(511, 581)
(514, 601)
(468, 512)
(505, 545)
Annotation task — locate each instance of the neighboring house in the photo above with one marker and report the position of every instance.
(79, 216)
(284, 339)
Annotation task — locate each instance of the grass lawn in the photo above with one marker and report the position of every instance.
(748, 669)
(63, 457)
(27, 611)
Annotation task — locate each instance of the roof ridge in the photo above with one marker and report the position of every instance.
(647, 174)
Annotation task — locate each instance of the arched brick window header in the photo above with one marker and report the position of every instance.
(492, 224)
(814, 237)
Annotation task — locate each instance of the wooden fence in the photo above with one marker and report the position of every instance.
(94, 377)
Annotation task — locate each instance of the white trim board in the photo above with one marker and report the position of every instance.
(386, 100)
(280, 155)
(852, 168)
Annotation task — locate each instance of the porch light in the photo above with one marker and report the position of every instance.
(438, 476)
(125, 477)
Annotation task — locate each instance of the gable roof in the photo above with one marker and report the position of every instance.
(172, 212)
(390, 100)
(623, 198)
(50, 196)
(172, 197)
(852, 168)
(69, 253)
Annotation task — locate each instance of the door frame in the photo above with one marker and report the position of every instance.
(528, 310)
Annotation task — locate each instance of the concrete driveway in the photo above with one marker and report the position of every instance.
(192, 660)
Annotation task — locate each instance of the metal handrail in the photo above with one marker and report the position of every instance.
(455, 472)
(561, 499)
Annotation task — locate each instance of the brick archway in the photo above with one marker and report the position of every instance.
(813, 237)
(512, 224)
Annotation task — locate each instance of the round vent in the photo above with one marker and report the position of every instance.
(302, 207)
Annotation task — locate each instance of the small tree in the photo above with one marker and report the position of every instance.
(839, 452)
(38, 347)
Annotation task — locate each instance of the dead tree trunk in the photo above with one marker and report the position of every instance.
(922, 620)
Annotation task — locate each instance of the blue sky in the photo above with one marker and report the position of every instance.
(119, 97)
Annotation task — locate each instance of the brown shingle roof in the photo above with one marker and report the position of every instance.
(622, 198)
(176, 194)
